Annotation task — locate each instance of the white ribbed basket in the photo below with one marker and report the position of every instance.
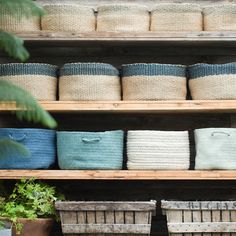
(68, 17)
(220, 17)
(177, 17)
(158, 150)
(123, 17)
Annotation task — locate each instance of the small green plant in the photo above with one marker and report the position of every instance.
(29, 199)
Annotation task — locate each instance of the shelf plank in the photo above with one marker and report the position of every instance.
(187, 106)
(118, 175)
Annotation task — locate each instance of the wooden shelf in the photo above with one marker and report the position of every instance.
(118, 175)
(189, 106)
(225, 39)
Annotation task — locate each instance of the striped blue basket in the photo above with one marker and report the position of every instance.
(90, 150)
(41, 144)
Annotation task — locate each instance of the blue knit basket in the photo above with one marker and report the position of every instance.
(41, 144)
(90, 150)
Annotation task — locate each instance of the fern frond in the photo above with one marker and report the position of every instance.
(29, 109)
(13, 46)
(9, 147)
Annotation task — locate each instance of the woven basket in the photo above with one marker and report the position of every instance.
(177, 17)
(153, 82)
(68, 17)
(210, 82)
(206, 218)
(89, 81)
(38, 79)
(41, 144)
(17, 22)
(215, 148)
(220, 17)
(123, 17)
(158, 150)
(90, 150)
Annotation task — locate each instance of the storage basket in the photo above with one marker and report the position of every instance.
(177, 17)
(109, 218)
(90, 150)
(215, 148)
(41, 144)
(89, 81)
(153, 82)
(68, 17)
(16, 21)
(38, 79)
(206, 218)
(211, 82)
(220, 17)
(158, 150)
(123, 17)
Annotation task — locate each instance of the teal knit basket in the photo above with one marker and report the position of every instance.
(90, 150)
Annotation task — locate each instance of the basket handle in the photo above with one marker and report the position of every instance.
(18, 139)
(219, 132)
(91, 140)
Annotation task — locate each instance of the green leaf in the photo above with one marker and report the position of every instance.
(29, 109)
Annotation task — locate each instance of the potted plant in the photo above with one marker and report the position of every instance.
(30, 208)
(5, 226)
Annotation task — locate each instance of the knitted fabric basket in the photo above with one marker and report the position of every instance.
(215, 148)
(17, 22)
(90, 150)
(158, 150)
(89, 81)
(68, 17)
(177, 17)
(38, 79)
(41, 144)
(123, 17)
(220, 17)
(153, 82)
(212, 81)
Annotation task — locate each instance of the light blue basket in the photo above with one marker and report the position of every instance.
(41, 144)
(90, 150)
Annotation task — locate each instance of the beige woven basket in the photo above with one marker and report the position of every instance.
(68, 17)
(177, 17)
(123, 17)
(220, 17)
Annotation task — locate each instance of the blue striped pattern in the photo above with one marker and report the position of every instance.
(28, 69)
(88, 69)
(152, 69)
(40, 142)
(202, 69)
(90, 150)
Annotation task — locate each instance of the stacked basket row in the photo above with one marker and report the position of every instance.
(124, 17)
(151, 150)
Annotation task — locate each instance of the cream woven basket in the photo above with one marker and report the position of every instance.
(210, 82)
(37, 78)
(68, 17)
(158, 150)
(123, 17)
(18, 22)
(153, 82)
(89, 82)
(177, 17)
(220, 17)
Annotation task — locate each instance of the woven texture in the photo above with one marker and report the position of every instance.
(212, 81)
(153, 82)
(41, 144)
(220, 17)
(177, 17)
(158, 150)
(215, 148)
(123, 17)
(38, 79)
(89, 81)
(66, 17)
(90, 150)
